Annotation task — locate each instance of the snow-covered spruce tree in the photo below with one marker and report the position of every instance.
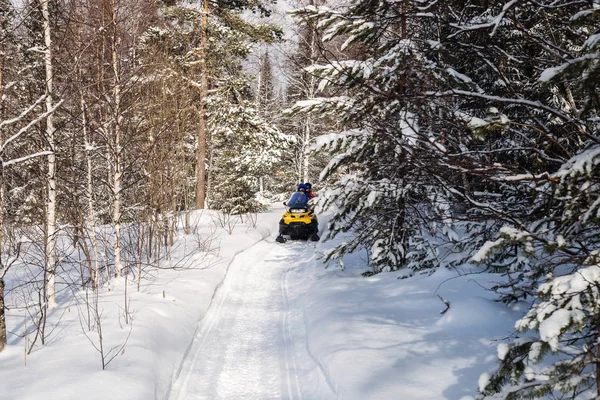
(201, 61)
(265, 96)
(228, 40)
(389, 174)
(302, 85)
(270, 98)
(555, 112)
(244, 147)
(488, 55)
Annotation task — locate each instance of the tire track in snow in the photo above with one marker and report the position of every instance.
(175, 378)
(228, 359)
(213, 319)
(305, 252)
(332, 385)
(200, 324)
(288, 339)
(251, 341)
(330, 382)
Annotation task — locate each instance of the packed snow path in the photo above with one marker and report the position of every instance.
(252, 343)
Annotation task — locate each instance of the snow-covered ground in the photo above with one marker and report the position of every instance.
(263, 320)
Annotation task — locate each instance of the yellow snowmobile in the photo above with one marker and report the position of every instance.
(299, 220)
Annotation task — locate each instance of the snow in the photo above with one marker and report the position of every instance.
(371, 198)
(485, 250)
(502, 350)
(585, 13)
(25, 158)
(459, 76)
(484, 380)
(550, 73)
(580, 163)
(257, 319)
(593, 41)
(476, 122)
(551, 327)
(393, 328)
(494, 21)
(535, 351)
(434, 44)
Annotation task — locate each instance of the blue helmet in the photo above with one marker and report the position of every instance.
(302, 187)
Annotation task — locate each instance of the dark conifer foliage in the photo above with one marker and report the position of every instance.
(477, 122)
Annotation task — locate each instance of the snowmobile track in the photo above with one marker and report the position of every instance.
(288, 340)
(251, 343)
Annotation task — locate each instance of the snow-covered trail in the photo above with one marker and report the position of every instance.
(252, 342)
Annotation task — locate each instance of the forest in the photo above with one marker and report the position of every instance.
(440, 133)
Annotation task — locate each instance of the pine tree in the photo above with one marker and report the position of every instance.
(303, 85)
(265, 92)
(559, 236)
(392, 145)
(244, 147)
(229, 39)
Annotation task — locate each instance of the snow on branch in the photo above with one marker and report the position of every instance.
(29, 125)
(506, 233)
(580, 164)
(530, 103)
(551, 73)
(23, 114)
(320, 104)
(495, 21)
(565, 304)
(545, 176)
(486, 249)
(25, 158)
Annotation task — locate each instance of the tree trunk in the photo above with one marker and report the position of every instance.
(201, 159)
(202, 126)
(259, 105)
(401, 235)
(91, 213)
(2, 317)
(306, 143)
(312, 85)
(597, 367)
(117, 145)
(2, 55)
(259, 84)
(51, 201)
(404, 10)
(1, 167)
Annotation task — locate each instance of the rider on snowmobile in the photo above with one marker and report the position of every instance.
(299, 221)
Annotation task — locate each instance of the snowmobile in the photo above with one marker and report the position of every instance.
(299, 220)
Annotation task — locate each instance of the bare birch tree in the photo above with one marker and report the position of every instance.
(19, 124)
(116, 154)
(50, 268)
